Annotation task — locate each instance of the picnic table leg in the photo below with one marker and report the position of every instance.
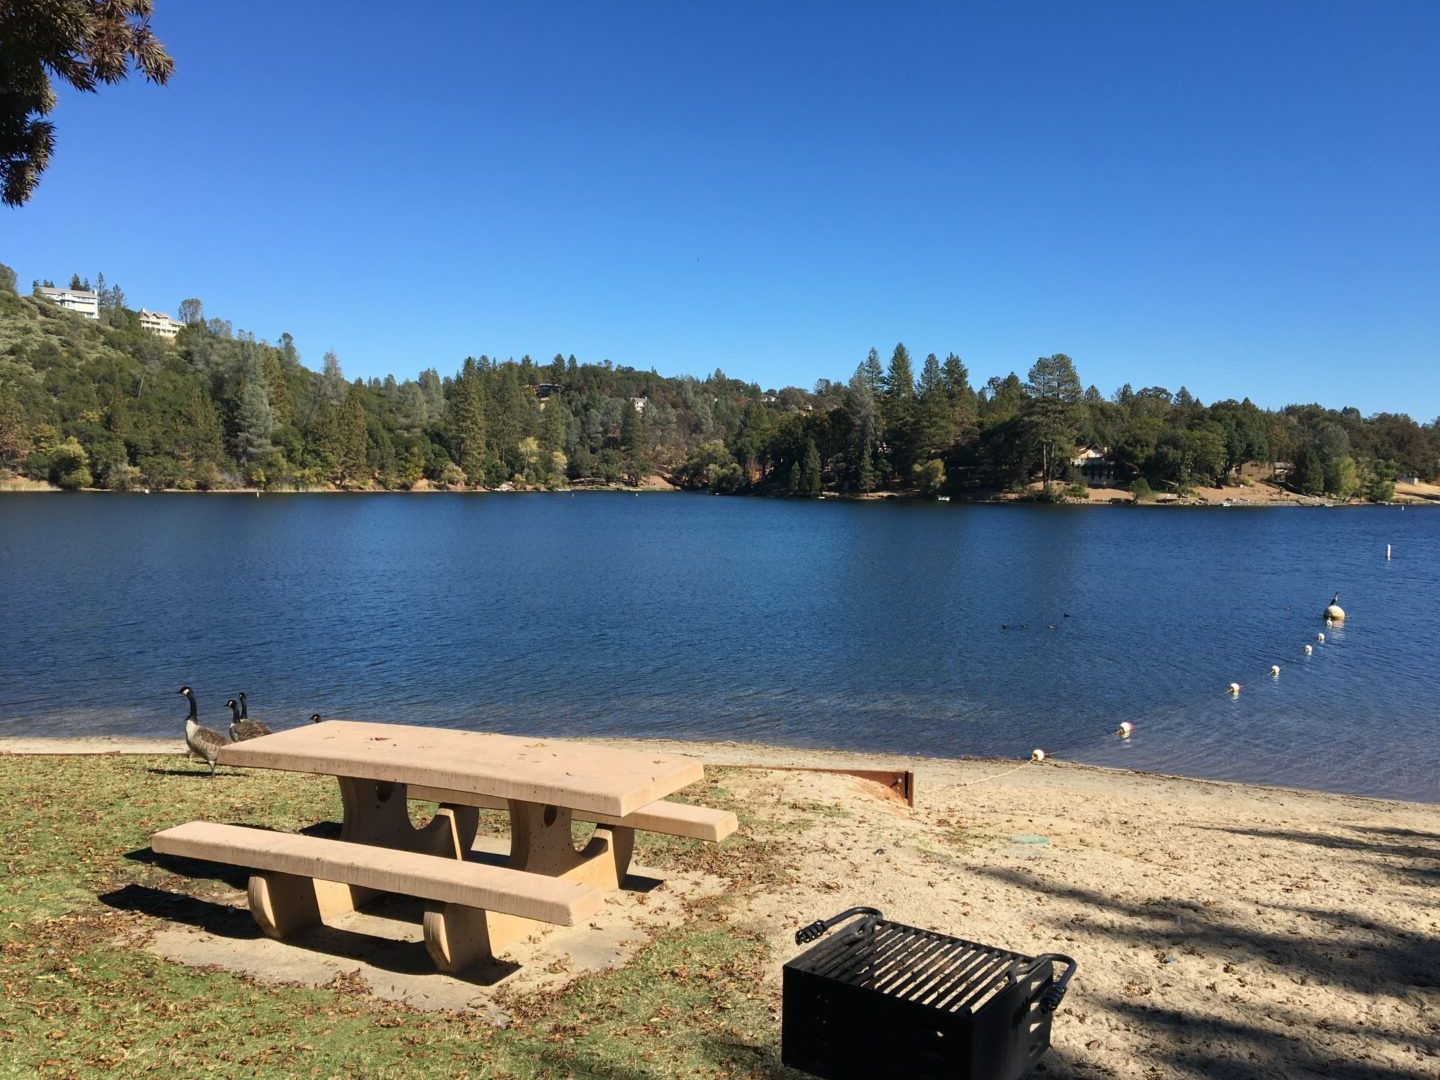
(376, 813)
(456, 936)
(540, 843)
(283, 903)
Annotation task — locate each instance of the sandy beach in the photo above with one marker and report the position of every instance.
(1221, 930)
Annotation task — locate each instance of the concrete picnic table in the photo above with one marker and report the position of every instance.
(542, 783)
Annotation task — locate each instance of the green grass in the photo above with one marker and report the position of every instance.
(82, 998)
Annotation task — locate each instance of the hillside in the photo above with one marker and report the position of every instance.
(86, 403)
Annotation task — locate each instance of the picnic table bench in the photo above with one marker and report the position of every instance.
(472, 908)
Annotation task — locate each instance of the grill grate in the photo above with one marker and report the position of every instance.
(883, 998)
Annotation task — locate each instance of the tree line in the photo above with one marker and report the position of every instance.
(102, 403)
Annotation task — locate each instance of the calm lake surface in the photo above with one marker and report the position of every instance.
(937, 629)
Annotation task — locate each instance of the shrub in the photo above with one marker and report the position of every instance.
(1140, 488)
(70, 466)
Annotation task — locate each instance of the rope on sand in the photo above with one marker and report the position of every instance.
(1007, 772)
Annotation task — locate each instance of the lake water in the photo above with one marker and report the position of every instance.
(937, 629)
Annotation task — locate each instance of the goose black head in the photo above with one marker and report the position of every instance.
(315, 718)
(184, 690)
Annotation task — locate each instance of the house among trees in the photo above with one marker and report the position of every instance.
(1096, 466)
(160, 324)
(81, 301)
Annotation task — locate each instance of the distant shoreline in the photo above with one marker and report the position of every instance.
(1254, 493)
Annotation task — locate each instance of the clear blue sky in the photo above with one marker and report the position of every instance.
(1243, 198)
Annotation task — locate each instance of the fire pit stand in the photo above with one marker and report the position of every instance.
(884, 999)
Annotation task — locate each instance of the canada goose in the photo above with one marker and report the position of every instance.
(315, 718)
(201, 740)
(242, 728)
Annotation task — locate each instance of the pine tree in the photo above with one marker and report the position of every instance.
(350, 460)
(963, 407)
(935, 425)
(277, 390)
(810, 469)
(1051, 414)
(254, 422)
(900, 378)
(872, 373)
(866, 479)
(897, 410)
(465, 420)
(633, 443)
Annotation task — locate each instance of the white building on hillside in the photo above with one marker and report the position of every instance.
(81, 301)
(160, 324)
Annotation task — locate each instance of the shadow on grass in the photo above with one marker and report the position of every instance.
(383, 953)
(199, 770)
(748, 1059)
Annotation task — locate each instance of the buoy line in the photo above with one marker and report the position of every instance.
(1127, 728)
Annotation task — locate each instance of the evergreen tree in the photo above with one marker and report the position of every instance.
(465, 420)
(897, 409)
(873, 373)
(254, 422)
(351, 462)
(634, 446)
(900, 377)
(961, 395)
(1307, 476)
(810, 469)
(1051, 414)
(935, 424)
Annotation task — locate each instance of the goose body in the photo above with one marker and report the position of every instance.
(201, 741)
(241, 727)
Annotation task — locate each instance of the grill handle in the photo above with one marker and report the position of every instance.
(807, 934)
(1055, 992)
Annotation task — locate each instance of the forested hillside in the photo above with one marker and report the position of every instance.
(103, 403)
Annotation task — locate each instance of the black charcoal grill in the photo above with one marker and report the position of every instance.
(882, 999)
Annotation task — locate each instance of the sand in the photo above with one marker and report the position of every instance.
(1221, 930)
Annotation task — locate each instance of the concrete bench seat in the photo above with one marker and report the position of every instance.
(662, 816)
(301, 880)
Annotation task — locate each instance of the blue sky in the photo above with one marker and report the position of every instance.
(1243, 198)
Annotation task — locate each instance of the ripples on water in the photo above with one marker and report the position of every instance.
(870, 626)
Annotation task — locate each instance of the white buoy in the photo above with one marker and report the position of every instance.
(1387, 552)
(1233, 689)
(1274, 670)
(1320, 638)
(1335, 613)
(1125, 729)
(1309, 649)
(1037, 754)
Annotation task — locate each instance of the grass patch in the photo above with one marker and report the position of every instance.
(82, 998)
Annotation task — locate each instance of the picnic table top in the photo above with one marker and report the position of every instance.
(581, 776)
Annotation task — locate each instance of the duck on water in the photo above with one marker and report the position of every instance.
(202, 741)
